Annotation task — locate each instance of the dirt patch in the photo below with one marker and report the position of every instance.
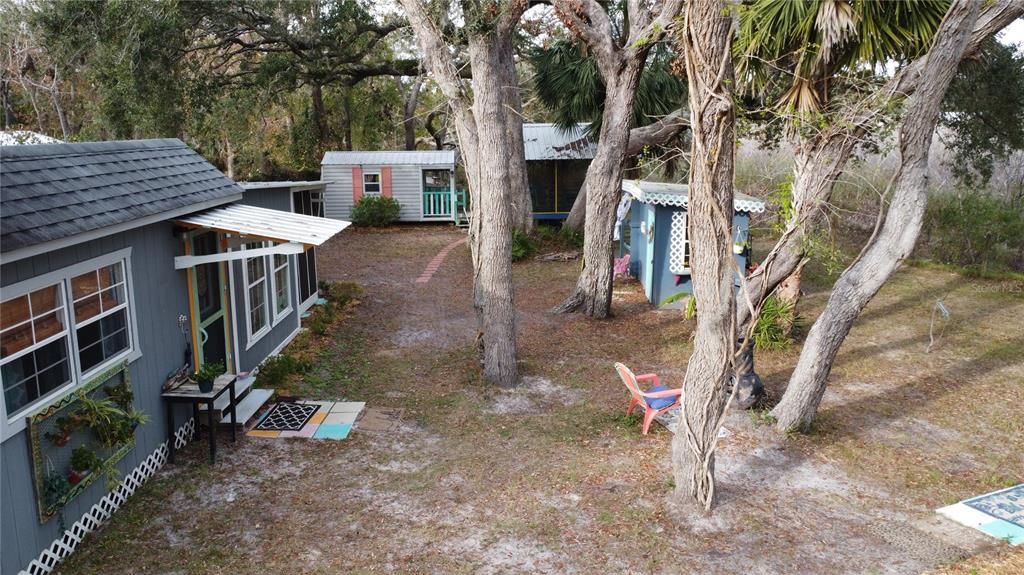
(552, 478)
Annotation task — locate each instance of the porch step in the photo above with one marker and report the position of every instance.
(248, 406)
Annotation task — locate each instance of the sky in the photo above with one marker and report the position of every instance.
(1014, 33)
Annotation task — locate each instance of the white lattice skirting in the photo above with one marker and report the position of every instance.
(111, 502)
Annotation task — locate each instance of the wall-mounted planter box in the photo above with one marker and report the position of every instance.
(55, 432)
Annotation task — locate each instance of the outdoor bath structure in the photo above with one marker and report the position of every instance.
(653, 231)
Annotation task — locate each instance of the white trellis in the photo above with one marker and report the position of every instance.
(99, 513)
(679, 245)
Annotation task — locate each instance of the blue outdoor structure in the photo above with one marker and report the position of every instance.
(654, 234)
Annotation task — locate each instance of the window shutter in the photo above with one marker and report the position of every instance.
(357, 183)
(679, 245)
(385, 181)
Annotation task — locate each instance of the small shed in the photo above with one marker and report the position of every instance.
(657, 239)
(423, 182)
(556, 165)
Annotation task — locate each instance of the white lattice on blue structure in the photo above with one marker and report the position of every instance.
(678, 249)
(103, 510)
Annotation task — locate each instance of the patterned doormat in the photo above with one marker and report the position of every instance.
(999, 514)
(329, 420)
(287, 417)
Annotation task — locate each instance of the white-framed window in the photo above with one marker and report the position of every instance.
(257, 317)
(61, 328)
(371, 183)
(282, 286)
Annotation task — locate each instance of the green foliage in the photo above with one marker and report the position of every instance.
(55, 486)
(275, 370)
(775, 325)
(984, 111)
(84, 459)
(111, 424)
(323, 318)
(523, 246)
(568, 83)
(342, 293)
(799, 47)
(974, 229)
(783, 197)
(210, 371)
(375, 211)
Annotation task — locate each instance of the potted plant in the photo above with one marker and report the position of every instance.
(83, 462)
(207, 373)
(121, 394)
(55, 487)
(65, 427)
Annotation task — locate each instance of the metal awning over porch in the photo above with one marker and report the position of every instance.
(293, 232)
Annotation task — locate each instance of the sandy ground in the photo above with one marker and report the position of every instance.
(551, 478)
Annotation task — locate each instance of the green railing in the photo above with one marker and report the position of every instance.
(437, 203)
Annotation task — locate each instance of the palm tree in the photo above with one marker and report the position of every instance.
(799, 46)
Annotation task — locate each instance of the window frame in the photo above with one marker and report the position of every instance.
(254, 337)
(287, 266)
(12, 424)
(379, 183)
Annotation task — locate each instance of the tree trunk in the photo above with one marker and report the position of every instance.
(497, 166)
(483, 121)
(346, 122)
(319, 117)
(655, 134)
(409, 116)
(519, 193)
(706, 38)
(897, 236)
(603, 187)
(62, 117)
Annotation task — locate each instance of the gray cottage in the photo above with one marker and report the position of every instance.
(653, 229)
(422, 182)
(122, 263)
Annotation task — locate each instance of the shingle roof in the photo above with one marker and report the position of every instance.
(549, 142)
(54, 191)
(384, 158)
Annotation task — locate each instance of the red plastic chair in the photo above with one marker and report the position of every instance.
(656, 400)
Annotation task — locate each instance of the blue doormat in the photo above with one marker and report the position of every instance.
(999, 514)
(1007, 504)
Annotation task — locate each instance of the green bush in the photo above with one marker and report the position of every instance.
(342, 293)
(775, 325)
(375, 211)
(975, 230)
(275, 370)
(523, 246)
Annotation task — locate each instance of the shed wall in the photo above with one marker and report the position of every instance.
(160, 295)
(406, 187)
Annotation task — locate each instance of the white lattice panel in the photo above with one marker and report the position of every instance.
(105, 508)
(677, 245)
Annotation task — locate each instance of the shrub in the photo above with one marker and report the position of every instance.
(375, 211)
(775, 325)
(976, 230)
(275, 370)
(323, 318)
(523, 246)
(342, 293)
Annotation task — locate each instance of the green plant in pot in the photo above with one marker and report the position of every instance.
(55, 487)
(121, 394)
(83, 462)
(207, 373)
(65, 427)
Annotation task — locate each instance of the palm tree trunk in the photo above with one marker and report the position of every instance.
(706, 39)
(897, 236)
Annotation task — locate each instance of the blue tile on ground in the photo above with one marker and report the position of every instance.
(1013, 534)
(332, 431)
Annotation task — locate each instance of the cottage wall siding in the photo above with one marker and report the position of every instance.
(160, 295)
(275, 199)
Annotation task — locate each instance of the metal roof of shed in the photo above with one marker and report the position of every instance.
(385, 158)
(281, 185)
(52, 192)
(266, 224)
(549, 142)
(666, 194)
